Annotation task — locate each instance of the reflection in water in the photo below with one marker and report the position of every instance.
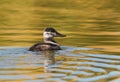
(49, 59)
(69, 64)
(20, 64)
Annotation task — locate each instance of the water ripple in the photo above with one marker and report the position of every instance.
(91, 79)
(18, 63)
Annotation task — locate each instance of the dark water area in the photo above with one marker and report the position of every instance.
(91, 50)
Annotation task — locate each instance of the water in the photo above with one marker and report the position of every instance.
(19, 64)
(91, 50)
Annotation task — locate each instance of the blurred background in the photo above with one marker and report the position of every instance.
(86, 23)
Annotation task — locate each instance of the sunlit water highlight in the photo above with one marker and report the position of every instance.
(19, 64)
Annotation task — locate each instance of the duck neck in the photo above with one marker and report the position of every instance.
(50, 40)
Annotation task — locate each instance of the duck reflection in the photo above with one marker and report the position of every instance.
(48, 58)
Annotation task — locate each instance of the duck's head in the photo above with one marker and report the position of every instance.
(51, 33)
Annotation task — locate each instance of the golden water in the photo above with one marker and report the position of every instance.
(91, 50)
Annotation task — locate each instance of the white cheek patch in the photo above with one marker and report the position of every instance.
(54, 34)
(47, 34)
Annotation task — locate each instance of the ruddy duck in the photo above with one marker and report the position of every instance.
(49, 42)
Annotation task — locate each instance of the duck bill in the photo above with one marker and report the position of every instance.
(59, 35)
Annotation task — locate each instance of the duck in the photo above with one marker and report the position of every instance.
(49, 42)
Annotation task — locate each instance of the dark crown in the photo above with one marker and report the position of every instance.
(50, 29)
